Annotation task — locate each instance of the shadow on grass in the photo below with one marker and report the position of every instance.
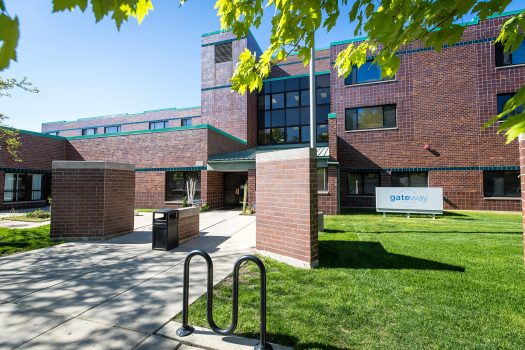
(372, 255)
(286, 340)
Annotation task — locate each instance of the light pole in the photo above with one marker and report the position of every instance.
(313, 129)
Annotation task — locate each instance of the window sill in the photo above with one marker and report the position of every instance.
(366, 130)
(502, 198)
(323, 192)
(24, 202)
(511, 66)
(372, 83)
(172, 202)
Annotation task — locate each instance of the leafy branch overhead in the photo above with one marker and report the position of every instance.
(385, 25)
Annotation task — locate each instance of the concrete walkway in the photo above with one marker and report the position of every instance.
(113, 294)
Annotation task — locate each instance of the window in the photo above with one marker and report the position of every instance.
(368, 72)
(284, 113)
(505, 183)
(53, 133)
(509, 58)
(25, 187)
(223, 52)
(158, 125)
(89, 131)
(177, 184)
(363, 184)
(112, 129)
(502, 100)
(322, 180)
(379, 117)
(410, 179)
(186, 122)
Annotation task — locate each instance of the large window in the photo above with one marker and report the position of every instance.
(502, 100)
(89, 131)
(410, 179)
(509, 58)
(363, 184)
(158, 125)
(223, 52)
(501, 183)
(186, 122)
(367, 73)
(25, 187)
(284, 112)
(322, 180)
(178, 183)
(112, 129)
(378, 117)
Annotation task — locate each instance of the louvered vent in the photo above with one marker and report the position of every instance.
(223, 52)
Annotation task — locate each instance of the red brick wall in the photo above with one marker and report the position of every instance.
(92, 203)
(212, 187)
(328, 201)
(522, 181)
(287, 206)
(188, 224)
(252, 186)
(294, 65)
(442, 100)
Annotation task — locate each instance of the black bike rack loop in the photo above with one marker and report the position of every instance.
(186, 329)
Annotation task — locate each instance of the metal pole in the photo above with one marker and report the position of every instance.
(313, 124)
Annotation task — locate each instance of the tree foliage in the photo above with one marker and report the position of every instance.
(388, 25)
(9, 137)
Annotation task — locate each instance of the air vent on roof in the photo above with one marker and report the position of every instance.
(223, 52)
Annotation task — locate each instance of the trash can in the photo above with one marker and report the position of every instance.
(165, 229)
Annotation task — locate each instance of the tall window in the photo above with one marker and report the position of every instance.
(502, 100)
(509, 58)
(284, 112)
(177, 184)
(186, 122)
(223, 52)
(25, 187)
(378, 117)
(158, 125)
(410, 179)
(89, 131)
(363, 184)
(501, 183)
(322, 180)
(367, 73)
(112, 129)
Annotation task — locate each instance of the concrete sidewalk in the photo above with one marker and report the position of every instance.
(113, 294)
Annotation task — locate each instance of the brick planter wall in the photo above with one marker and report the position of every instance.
(188, 223)
(522, 178)
(287, 206)
(92, 200)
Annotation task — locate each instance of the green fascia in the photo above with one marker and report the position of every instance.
(332, 115)
(348, 41)
(503, 14)
(295, 53)
(295, 76)
(59, 121)
(231, 165)
(34, 133)
(216, 32)
(178, 128)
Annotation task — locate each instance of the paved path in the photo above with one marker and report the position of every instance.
(112, 294)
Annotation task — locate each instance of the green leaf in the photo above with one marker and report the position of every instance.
(9, 35)
(70, 5)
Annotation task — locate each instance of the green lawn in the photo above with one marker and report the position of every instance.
(456, 282)
(20, 240)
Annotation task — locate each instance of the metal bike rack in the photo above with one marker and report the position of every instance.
(186, 329)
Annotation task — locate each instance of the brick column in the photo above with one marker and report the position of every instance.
(286, 226)
(522, 178)
(92, 200)
(251, 186)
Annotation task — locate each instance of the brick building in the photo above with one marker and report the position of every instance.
(421, 128)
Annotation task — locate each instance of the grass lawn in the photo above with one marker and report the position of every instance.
(20, 240)
(24, 218)
(456, 282)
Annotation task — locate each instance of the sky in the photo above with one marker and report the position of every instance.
(87, 69)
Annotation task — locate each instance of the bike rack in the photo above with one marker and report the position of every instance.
(186, 329)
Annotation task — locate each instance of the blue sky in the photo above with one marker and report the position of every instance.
(85, 69)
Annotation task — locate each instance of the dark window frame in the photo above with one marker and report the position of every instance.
(186, 122)
(510, 190)
(353, 78)
(111, 126)
(361, 183)
(506, 59)
(374, 128)
(223, 52)
(408, 173)
(85, 131)
(152, 123)
(325, 180)
(183, 192)
(26, 194)
(501, 106)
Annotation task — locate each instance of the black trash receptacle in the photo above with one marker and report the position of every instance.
(165, 229)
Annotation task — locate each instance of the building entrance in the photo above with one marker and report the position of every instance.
(234, 188)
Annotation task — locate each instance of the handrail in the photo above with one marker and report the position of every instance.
(186, 329)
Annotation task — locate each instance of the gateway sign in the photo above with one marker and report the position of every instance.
(424, 200)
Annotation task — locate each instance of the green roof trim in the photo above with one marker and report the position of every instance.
(332, 115)
(34, 133)
(295, 76)
(473, 22)
(216, 32)
(138, 132)
(125, 114)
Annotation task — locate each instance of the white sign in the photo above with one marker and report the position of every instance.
(424, 200)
